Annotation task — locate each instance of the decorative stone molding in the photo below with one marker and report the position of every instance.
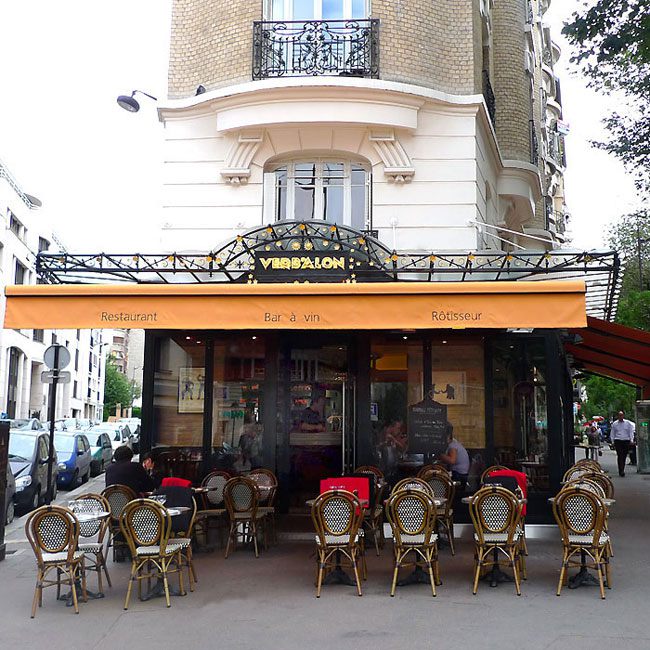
(238, 164)
(397, 164)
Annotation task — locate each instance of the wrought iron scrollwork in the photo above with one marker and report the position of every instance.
(316, 47)
(490, 100)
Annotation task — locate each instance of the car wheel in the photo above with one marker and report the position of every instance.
(9, 515)
(86, 477)
(75, 480)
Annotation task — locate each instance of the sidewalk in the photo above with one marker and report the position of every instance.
(269, 602)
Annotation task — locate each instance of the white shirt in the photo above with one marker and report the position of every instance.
(623, 430)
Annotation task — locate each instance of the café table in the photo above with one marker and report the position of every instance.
(583, 577)
(85, 518)
(591, 451)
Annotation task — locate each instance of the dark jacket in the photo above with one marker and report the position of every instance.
(131, 474)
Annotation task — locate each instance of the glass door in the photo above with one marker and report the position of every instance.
(321, 417)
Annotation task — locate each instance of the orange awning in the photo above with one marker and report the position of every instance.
(368, 306)
(614, 351)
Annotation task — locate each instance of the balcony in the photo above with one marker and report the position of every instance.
(344, 48)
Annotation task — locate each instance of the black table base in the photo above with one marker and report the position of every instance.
(417, 577)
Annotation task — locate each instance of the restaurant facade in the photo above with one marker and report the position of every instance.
(363, 219)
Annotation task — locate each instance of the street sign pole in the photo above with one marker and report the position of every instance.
(52, 415)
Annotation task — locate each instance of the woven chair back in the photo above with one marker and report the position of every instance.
(579, 512)
(118, 496)
(52, 529)
(586, 484)
(266, 479)
(489, 470)
(495, 510)
(413, 484)
(215, 482)
(145, 522)
(603, 480)
(575, 472)
(369, 469)
(443, 488)
(410, 514)
(336, 513)
(423, 471)
(240, 495)
(89, 503)
(589, 463)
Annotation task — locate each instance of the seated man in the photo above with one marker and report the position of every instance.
(123, 472)
(456, 458)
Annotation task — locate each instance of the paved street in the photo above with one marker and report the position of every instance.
(269, 602)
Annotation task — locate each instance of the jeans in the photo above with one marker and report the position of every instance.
(622, 448)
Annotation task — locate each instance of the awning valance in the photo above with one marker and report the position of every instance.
(381, 305)
(614, 351)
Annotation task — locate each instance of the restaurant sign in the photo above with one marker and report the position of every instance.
(318, 266)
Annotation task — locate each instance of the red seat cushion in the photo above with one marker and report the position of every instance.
(520, 477)
(358, 484)
(170, 481)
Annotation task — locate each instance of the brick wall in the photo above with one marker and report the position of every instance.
(211, 44)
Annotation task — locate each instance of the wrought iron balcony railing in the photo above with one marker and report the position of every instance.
(346, 48)
(534, 144)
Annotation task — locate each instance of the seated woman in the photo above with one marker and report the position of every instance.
(456, 458)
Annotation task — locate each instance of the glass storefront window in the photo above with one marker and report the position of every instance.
(458, 382)
(396, 383)
(178, 392)
(520, 408)
(238, 386)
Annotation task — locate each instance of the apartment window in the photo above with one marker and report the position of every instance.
(38, 336)
(76, 359)
(335, 191)
(12, 381)
(14, 225)
(78, 334)
(54, 339)
(75, 389)
(316, 9)
(21, 275)
(43, 244)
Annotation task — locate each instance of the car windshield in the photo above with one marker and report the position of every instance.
(64, 443)
(21, 446)
(21, 425)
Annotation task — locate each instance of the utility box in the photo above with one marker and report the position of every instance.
(4, 459)
(643, 436)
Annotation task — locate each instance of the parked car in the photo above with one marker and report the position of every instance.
(119, 433)
(26, 424)
(134, 426)
(28, 454)
(10, 495)
(101, 450)
(73, 450)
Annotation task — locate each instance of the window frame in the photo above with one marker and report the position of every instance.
(287, 11)
(272, 204)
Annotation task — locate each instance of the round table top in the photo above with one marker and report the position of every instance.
(178, 510)
(85, 517)
(607, 502)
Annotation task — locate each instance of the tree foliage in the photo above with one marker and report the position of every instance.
(117, 389)
(630, 236)
(612, 48)
(606, 397)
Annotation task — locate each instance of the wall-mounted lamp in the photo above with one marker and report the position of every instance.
(129, 103)
(200, 89)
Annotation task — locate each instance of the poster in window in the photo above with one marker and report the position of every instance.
(191, 389)
(449, 387)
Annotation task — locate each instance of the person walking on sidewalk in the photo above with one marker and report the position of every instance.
(622, 436)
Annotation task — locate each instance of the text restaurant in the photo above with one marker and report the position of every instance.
(312, 349)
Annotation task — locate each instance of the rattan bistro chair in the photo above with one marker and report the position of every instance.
(413, 484)
(267, 486)
(337, 517)
(117, 496)
(53, 532)
(443, 488)
(580, 515)
(146, 526)
(241, 497)
(496, 514)
(372, 469)
(93, 533)
(493, 468)
(212, 513)
(412, 518)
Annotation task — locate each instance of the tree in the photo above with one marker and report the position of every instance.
(612, 48)
(606, 397)
(117, 389)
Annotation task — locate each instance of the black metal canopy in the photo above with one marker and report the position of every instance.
(235, 261)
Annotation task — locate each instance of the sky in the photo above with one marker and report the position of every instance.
(97, 168)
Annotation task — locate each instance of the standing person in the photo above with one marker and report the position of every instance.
(622, 434)
(456, 457)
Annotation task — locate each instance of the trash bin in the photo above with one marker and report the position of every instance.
(4, 459)
(642, 440)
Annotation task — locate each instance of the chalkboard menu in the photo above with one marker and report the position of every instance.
(427, 427)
